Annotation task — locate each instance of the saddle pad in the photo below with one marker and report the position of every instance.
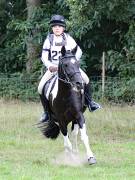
(51, 86)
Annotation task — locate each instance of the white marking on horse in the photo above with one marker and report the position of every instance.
(73, 61)
(67, 143)
(85, 140)
(74, 135)
(75, 89)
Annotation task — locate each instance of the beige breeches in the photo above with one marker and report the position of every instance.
(48, 75)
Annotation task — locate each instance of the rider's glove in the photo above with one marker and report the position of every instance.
(53, 68)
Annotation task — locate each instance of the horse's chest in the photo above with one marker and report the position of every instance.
(66, 105)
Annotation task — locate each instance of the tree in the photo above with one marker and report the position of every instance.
(97, 26)
(103, 26)
(32, 48)
(11, 51)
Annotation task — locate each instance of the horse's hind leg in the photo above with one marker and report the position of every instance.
(75, 129)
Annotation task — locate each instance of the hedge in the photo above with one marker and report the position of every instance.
(117, 90)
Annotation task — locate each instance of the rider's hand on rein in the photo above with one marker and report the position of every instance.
(53, 68)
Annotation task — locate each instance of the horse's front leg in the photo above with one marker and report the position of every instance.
(67, 143)
(75, 129)
(85, 139)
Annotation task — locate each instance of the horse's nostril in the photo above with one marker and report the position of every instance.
(78, 83)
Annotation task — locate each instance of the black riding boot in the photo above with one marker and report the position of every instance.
(45, 104)
(88, 99)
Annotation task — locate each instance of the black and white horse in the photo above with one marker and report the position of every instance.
(67, 105)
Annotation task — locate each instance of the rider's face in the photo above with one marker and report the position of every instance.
(58, 30)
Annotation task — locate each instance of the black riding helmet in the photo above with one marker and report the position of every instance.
(57, 20)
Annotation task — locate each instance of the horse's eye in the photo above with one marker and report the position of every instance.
(66, 65)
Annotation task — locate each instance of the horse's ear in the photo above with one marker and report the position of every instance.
(63, 50)
(74, 50)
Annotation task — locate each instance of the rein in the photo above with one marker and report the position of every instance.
(67, 56)
(67, 80)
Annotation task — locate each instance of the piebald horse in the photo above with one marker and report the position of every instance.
(67, 104)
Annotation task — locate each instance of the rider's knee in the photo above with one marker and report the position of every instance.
(84, 77)
(87, 80)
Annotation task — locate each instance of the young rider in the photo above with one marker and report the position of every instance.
(50, 57)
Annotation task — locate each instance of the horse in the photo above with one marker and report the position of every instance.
(68, 105)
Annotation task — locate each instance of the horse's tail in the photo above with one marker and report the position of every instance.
(50, 130)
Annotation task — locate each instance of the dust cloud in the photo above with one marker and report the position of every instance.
(70, 159)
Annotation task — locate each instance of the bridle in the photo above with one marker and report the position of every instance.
(68, 77)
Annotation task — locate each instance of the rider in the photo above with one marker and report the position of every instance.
(50, 57)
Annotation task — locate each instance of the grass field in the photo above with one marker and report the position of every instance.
(26, 155)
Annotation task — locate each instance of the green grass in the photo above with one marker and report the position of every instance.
(26, 155)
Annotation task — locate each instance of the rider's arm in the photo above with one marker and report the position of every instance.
(45, 54)
(74, 45)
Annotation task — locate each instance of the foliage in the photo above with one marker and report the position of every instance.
(24, 87)
(123, 64)
(117, 90)
(17, 30)
(122, 91)
(20, 87)
(97, 26)
(102, 26)
(12, 57)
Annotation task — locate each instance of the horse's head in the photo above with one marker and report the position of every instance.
(69, 68)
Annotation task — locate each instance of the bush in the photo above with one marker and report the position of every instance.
(19, 87)
(24, 87)
(117, 90)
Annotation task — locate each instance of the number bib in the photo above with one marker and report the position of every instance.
(56, 50)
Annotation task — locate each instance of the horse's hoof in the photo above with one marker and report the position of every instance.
(92, 160)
